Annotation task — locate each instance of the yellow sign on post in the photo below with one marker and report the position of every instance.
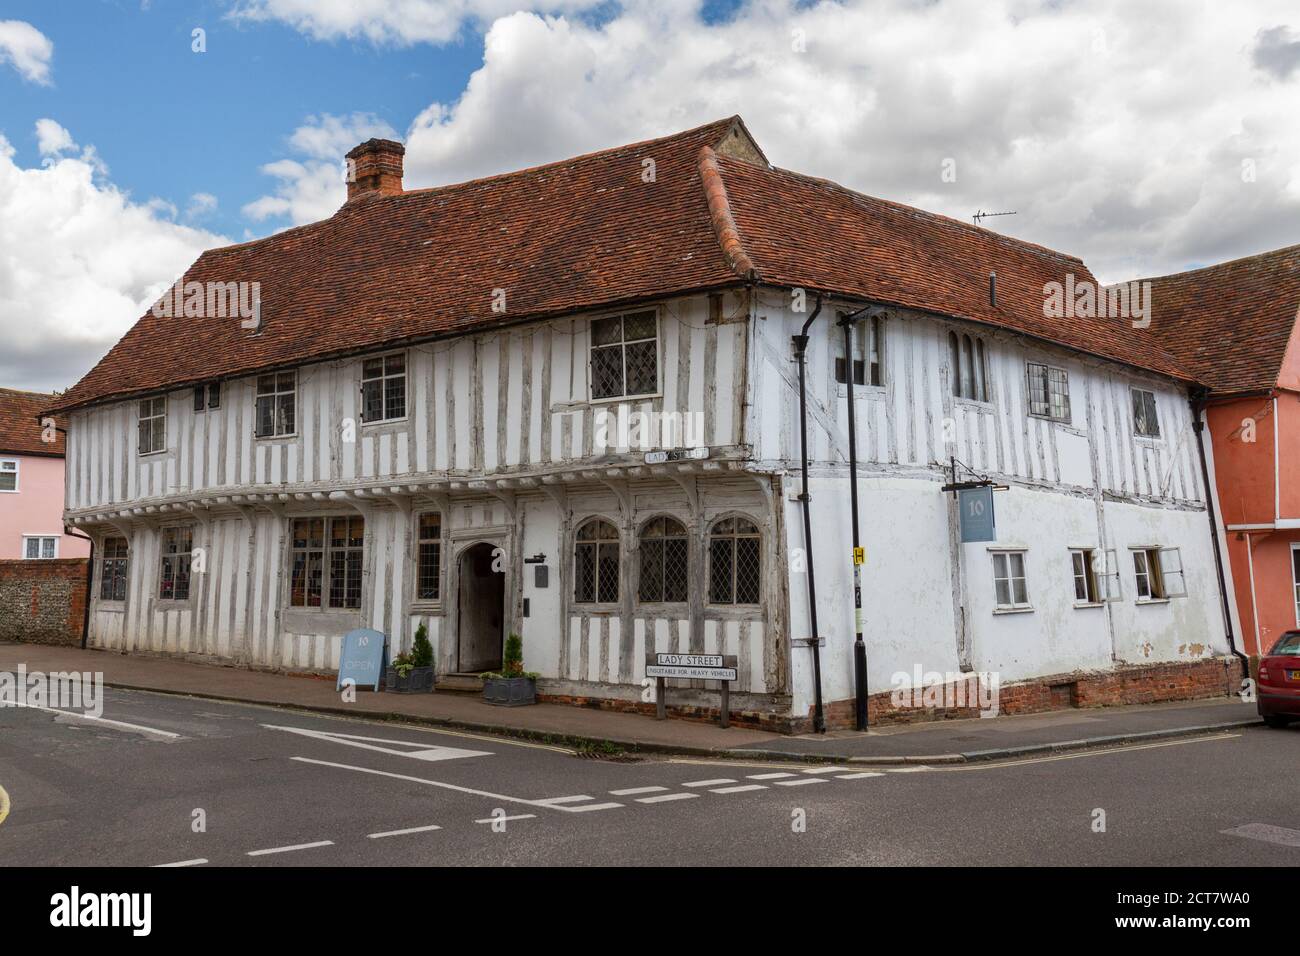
(859, 555)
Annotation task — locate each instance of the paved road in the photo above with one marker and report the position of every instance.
(279, 788)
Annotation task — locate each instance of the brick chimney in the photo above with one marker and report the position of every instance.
(375, 167)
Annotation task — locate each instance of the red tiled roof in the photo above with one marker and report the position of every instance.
(586, 233)
(20, 428)
(1229, 324)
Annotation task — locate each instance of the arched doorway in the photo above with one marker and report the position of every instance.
(480, 607)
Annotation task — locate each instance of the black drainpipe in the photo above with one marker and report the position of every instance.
(1197, 401)
(90, 582)
(800, 350)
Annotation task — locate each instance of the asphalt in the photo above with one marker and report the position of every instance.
(945, 741)
(99, 793)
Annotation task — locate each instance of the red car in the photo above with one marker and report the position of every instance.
(1279, 681)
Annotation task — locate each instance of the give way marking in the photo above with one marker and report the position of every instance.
(420, 751)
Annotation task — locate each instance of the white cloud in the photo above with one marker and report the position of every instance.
(79, 263)
(201, 204)
(27, 49)
(312, 188)
(52, 139)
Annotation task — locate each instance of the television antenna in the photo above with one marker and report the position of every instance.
(984, 215)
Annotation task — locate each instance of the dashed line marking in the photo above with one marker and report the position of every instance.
(819, 770)
(800, 783)
(517, 816)
(741, 789)
(907, 769)
(199, 862)
(859, 776)
(632, 791)
(576, 798)
(593, 806)
(768, 776)
(290, 849)
(392, 833)
(665, 797)
(708, 783)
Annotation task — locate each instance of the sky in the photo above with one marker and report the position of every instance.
(1145, 136)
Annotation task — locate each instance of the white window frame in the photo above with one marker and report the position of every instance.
(622, 344)
(16, 470)
(1052, 413)
(1295, 578)
(175, 557)
(1083, 570)
(383, 378)
(1159, 572)
(42, 538)
(1134, 393)
(152, 415)
(1006, 555)
(276, 396)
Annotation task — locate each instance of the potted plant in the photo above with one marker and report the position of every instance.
(412, 672)
(513, 686)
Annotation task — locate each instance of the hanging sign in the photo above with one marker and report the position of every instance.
(975, 507)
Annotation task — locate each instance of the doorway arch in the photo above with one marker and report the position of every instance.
(480, 610)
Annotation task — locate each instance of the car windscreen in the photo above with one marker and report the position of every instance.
(1288, 643)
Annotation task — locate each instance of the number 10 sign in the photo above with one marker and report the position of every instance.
(975, 505)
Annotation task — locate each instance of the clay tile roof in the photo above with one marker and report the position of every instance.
(20, 428)
(1230, 323)
(586, 233)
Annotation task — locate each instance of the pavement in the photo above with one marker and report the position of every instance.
(932, 742)
(170, 780)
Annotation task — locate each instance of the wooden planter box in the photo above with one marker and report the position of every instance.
(418, 681)
(510, 691)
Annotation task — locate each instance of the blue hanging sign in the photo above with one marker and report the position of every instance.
(975, 506)
(362, 658)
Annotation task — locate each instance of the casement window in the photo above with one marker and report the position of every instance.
(664, 562)
(1049, 392)
(1295, 579)
(275, 405)
(428, 557)
(1010, 588)
(625, 355)
(174, 569)
(207, 396)
(40, 547)
(595, 563)
(1145, 421)
(1096, 578)
(112, 570)
(1159, 573)
(383, 388)
(735, 562)
(867, 367)
(969, 376)
(325, 560)
(152, 425)
(9, 474)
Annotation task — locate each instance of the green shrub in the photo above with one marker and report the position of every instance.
(513, 664)
(421, 650)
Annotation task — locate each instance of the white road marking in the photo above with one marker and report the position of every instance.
(630, 791)
(573, 799)
(859, 776)
(517, 816)
(431, 783)
(907, 769)
(708, 783)
(664, 797)
(422, 751)
(768, 776)
(98, 720)
(593, 806)
(290, 849)
(1266, 832)
(741, 789)
(800, 783)
(388, 833)
(819, 770)
(199, 862)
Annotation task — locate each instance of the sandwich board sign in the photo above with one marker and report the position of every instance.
(975, 507)
(362, 658)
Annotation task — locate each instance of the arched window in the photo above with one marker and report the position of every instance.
(595, 563)
(735, 565)
(955, 360)
(663, 561)
(968, 367)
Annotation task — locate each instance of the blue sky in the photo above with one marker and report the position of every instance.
(1145, 137)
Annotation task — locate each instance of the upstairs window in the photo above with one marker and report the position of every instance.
(112, 570)
(735, 566)
(325, 560)
(1010, 585)
(207, 396)
(1096, 576)
(595, 563)
(9, 474)
(867, 369)
(663, 561)
(152, 424)
(1145, 421)
(428, 584)
(966, 355)
(174, 573)
(383, 388)
(275, 405)
(1159, 573)
(625, 355)
(1049, 392)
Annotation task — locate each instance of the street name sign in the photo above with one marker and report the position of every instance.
(719, 667)
(362, 658)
